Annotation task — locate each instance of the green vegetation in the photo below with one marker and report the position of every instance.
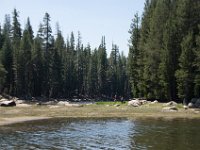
(47, 66)
(164, 50)
(163, 61)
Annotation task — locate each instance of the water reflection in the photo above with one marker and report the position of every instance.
(167, 135)
(102, 134)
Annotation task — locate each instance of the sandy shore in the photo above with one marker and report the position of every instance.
(23, 113)
(7, 121)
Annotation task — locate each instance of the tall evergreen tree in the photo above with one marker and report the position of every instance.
(185, 74)
(70, 81)
(7, 55)
(48, 57)
(134, 55)
(16, 39)
(92, 85)
(38, 67)
(79, 65)
(197, 66)
(7, 61)
(102, 67)
(1, 39)
(86, 63)
(59, 62)
(25, 64)
(113, 66)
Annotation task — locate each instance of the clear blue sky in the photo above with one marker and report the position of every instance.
(93, 18)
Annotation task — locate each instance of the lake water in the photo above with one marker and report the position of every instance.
(109, 134)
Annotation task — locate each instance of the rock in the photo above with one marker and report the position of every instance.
(39, 103)
(143, 102)
(14, 99)
(19, 101)
(134, 103)
(23, 105)
(116, 105)
(73, 105)
(154, 102)
(171, 103)
(191, 105)
(50, 103)
(3, 99)
(63, 103)
(170, 109)
(185, 107)
(7, 103)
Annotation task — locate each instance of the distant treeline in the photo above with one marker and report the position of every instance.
(163, 61)
(164, 57)
(50, 67)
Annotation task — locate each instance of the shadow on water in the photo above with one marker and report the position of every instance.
(102, 134)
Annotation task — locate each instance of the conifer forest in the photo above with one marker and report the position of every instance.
(163, 61)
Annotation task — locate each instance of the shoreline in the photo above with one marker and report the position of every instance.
(9, 121)
(25, 113)
(16, 120)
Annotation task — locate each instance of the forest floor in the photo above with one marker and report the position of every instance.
(29, 112)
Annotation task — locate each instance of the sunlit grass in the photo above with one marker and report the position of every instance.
(97, 110)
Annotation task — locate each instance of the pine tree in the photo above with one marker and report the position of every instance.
(1, 39)
(45, 33)
(70, 81)
(197, 66)
(7, 55)
(123, 83)
(7, 61)
(79, 65)
(46, 30)
(25, 72)
(56, 74)
(2, 77)
(102, 67)
(16, 39)
(86, 63)
(185, 74)
(112, 71)
(59, 62)
(134, 55)
(92, 85)
(38, 67)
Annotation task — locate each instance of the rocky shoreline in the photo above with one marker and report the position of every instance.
(135, 108)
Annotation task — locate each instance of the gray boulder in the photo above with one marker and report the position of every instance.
(3, 99)
(171, 103)
(154, 102)
(63, 103)
(143, 102)
(170, 109)
(134, 103)
(191, 105)
(7, 103)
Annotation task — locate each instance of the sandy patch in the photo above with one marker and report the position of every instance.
(6, 121)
